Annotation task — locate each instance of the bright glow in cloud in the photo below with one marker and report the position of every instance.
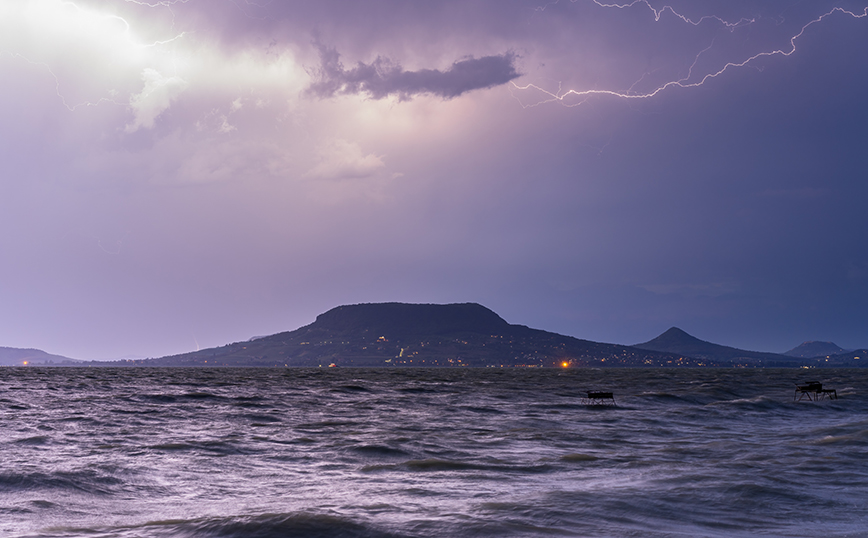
(340, 159)
(154, 99)
(247, 174)
(93, 56)
(96, 58)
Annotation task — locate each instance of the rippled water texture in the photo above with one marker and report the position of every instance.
(104, 452)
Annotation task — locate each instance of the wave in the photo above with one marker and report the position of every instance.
(159, 398)
(482, 453)
(350, 389)
(90, 482)
(434, 465)
(219, 448)
(421, 390)
(758, 403)
(260, 418)
(300, 525)
(324, 424)
(665, 397)
(199, 395)
(481, 410)
(578, 457)
(35, 440)
(859, 438)
(378, 450)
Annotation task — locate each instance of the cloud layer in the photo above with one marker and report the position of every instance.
(183, 172)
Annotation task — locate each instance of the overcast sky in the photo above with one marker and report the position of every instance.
(185, 174)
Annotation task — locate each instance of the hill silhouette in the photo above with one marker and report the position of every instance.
(400, 334)
(857, 358)
(466, 334)
(807, 350)
(677, 341)
(397, 319)
(13, 356)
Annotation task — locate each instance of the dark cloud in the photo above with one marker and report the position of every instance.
(734, 210)
(382, 77)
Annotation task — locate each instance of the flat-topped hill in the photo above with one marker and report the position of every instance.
(400, 334)
(465, 334)
(401, 319)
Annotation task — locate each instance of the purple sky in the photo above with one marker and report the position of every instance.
(179, 174)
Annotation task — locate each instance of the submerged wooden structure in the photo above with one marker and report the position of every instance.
(597, 397)
(814, 392)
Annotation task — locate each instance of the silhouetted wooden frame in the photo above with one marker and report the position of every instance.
(814, 391)
(596, 397)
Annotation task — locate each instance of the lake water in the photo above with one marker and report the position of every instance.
(261, 453)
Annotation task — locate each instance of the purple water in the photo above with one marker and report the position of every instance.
(124, 452)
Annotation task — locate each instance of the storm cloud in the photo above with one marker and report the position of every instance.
(182, 174)
(383, 77)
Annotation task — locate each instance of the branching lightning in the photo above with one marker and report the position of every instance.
(249, 3)
(71, 108)
(169, 3)
(113, 247)
(693, 72)
(566, 97)
(659, 13)
(158, 3)
(112, 95)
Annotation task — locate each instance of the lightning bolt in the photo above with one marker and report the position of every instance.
(659, 13)
(566, 97)
(105, 246)
(71, 108)
(116, 248)
(263, 5)
(169, 3)
(159, 3)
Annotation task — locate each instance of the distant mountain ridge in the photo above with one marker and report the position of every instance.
(402, 334)
(676, 340)
(13, 356)
(807, 350)
(857, 358)
(465, 334)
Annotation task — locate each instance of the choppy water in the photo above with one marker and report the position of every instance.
(262, 453)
